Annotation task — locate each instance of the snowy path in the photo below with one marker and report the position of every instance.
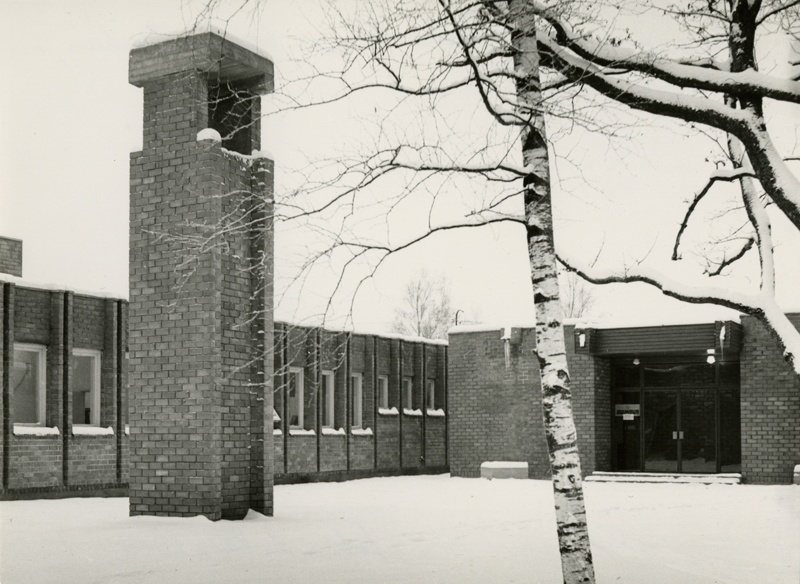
(415, 530)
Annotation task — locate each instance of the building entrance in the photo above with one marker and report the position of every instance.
(680, 418)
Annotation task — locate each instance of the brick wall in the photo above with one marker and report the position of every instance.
(301, 454)
(92, 460)
(11, 256)
(54, 319)
(495, 413)
(32, 316)
(354, 454)
(332, 452)
(770, 416)
(35, 462)
(590, 379)
(388, 440)
(362, 452)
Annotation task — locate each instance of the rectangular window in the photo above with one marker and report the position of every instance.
(431, 394)
(294, 395)
(28, 384)
(86, 387)
(358, 418)
(408, 393)
(383, 391)
(328, 399)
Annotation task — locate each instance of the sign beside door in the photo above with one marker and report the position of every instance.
(627, 411)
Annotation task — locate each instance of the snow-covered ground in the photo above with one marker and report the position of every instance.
(432, 529)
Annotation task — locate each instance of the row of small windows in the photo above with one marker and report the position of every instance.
(295, 396)
(29, 385)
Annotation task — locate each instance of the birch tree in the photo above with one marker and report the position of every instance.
(526, 61)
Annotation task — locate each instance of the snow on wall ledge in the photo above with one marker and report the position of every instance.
(52, 287)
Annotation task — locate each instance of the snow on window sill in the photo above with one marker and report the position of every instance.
(409, 412)
(301, 432)
(277, 432)
(387, 411)
(333, 431)
(438, 413)
(23, 430)
(92, 431)
(361, 431)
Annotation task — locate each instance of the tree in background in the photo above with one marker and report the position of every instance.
(576, 296)
(425, 310)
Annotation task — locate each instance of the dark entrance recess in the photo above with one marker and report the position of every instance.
(676, 415)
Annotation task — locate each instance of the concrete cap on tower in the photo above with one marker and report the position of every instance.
(216, 56)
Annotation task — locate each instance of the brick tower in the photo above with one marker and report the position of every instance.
(201, 245)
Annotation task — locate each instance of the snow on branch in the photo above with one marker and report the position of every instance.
(762, 305)
(727, 175)
(743, 83)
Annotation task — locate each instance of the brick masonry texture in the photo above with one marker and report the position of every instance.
(311, 457)
(496, 414)
(63, 462)
(494, 411)
(10, 256)
(37, 462)
(200, 318)
(770, 396)
(92, 460)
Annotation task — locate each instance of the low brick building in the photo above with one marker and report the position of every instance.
(347, 405)
(703, 399)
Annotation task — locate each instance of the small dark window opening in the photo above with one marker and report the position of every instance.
(230, 112)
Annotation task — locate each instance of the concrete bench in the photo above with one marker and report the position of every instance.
(504, 470)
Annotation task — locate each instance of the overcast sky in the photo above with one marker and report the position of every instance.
(69, 119)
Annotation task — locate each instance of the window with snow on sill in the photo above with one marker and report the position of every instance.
(78, 430)
(301, 432)
(25, 430)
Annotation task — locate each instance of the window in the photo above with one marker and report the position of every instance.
(358, 417)
(383, 391)
(431, 394)
(328, 399)
(294, 395)
(408, 393)
(86, 387)
(28, 384)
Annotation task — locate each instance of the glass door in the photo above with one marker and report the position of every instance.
(660, 431)
(697, 432)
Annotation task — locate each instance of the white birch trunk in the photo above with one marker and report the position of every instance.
(573, 535)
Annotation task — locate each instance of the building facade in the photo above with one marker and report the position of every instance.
(692, 399)
(347, 405)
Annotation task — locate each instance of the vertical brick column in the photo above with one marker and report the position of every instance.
(770, 398)
(200, 314)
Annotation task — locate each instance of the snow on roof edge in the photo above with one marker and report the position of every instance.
(383, 334)
(49, 286)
